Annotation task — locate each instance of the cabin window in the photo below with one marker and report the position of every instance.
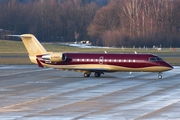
(134, 60)
(119, 60)
(77, 59)
(124, 60)
(129, 60)
(82, 59)
(114, 60)
(91, 60)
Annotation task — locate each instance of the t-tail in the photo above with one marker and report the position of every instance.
(33, 46)
(37, 52)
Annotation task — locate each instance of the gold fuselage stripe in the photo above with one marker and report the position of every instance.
(107, 68)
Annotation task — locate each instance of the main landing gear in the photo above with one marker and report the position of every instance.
(96, 74)
(160, 75)
(87, 74)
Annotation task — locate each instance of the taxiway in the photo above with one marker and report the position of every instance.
(28, 92)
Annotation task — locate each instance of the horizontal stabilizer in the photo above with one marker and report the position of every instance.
(14, 35)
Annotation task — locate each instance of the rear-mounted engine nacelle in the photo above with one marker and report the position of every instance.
(55, 57)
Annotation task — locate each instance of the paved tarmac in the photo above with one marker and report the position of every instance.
(31, 93)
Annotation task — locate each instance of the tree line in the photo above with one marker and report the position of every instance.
(119, 23)
(49, 20)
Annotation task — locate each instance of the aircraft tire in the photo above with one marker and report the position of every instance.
(87, 74)
(97, 74)
(160, 76)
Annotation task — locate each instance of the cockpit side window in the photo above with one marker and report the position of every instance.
(159, 59)
(155, 59)
(152, 59)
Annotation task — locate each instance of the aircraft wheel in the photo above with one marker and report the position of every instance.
(97, 74)
(160, 76)
(87, 74)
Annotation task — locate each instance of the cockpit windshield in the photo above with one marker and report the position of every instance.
(155, 59)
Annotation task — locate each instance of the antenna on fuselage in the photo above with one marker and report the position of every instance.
(135, 52)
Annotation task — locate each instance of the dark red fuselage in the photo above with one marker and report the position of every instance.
(111, 62)
(92, 62)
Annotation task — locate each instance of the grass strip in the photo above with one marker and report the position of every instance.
(14, 52)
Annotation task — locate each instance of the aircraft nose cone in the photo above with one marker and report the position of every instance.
(166, 66)
(169, 66)
(172, 67)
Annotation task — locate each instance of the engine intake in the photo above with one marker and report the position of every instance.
(55, 57)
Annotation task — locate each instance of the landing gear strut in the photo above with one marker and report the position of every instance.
(160, 75)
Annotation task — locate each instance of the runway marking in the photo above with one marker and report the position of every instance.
(2, 89)
(50, 95)
(85, 95)
(38, 82)
(25, 72)
(87, 92)
(6, 67)
(163, 102)
(28, 102)
(8, 88)
(114, 98)
(140, 104)
(67, 88)
(92, 98)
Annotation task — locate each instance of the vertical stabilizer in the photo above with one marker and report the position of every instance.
(32, 45)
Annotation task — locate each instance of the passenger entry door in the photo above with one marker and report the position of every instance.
(101, 59)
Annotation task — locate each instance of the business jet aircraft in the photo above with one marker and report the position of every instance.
(98, 63)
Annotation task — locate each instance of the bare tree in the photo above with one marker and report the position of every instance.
(76, 35)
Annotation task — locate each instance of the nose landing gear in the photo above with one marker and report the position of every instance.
(160, 75)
